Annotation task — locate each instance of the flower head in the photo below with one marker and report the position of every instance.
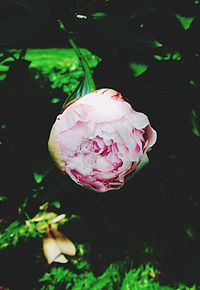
(99, 139)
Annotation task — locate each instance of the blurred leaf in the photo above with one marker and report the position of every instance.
(195, 124)
(185, 21)
(159, 57)
(5, 54)
(38, 177)
(176, 55)
(59, 218)
(2, 77)
(55, 100)
(99, 15)
(157, 43)
(3, 198)
(49, 217)
(168, 56)
(56, 204)
(190, 232)
(193, 83)
(3, 67)
(44, 206)
(43, 216)
(138, 68)
(3, 127)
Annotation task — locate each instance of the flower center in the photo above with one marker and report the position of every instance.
(102, 155)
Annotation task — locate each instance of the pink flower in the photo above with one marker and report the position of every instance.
(99, 139)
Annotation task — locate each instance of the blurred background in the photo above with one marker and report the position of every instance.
(145, 235)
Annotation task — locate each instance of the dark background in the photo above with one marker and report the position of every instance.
(159, 208)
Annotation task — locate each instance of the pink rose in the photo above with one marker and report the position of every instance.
(99, 139)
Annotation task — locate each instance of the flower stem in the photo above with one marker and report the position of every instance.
(81, 57)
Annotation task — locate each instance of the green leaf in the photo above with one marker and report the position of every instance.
(158, 57)
(193, 83)
(185, 21)
(3, 68)
(3, 126)
(157, 43)
(99, 15)
(190, 232)
(2, 77)
(38, 177)
(56, 204)
(176, 55)
(3, 198)
(55, 100)
(138, 68)
(195, 124)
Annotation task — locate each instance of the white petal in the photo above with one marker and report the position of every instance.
(138, 120)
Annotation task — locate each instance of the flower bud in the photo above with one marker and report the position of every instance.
(99, 139)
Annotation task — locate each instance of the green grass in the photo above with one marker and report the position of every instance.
(144, 277)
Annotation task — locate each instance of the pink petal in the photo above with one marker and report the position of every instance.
(151, 136)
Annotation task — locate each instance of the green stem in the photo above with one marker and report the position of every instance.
(81, 58)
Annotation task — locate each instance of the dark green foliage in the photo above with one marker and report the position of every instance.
(149, 51)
